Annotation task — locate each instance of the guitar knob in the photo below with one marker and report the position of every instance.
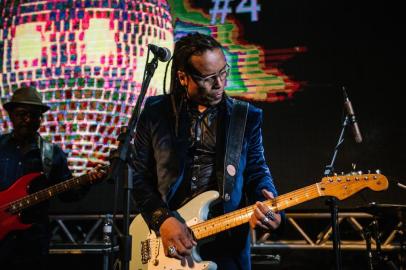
(359, 172)
(378, 171)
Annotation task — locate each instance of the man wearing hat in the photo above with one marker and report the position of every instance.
(23, 151)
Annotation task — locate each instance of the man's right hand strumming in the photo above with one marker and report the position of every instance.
(177, 238)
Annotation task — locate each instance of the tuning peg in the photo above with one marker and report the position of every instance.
(359, 172)
(330, 180)
(342, 173)
(378, 171)
(369, 171)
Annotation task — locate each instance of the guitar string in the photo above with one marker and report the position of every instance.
(37, 197)
(218, 222)
(232, 219)
(235, 215)
(44, 194)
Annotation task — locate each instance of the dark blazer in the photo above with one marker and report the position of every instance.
(160, 161)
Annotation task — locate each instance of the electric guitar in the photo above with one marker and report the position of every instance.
(16, 198)
(147, 248)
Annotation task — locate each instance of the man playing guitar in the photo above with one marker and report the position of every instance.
(184, 148)
(24, 151)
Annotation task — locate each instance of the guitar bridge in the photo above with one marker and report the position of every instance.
(145, 251)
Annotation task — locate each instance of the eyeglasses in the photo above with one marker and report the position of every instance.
(211, 79)
(22, 114)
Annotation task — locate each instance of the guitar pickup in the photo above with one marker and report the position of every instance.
(145, 251)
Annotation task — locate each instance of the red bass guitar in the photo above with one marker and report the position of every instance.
(16, 198)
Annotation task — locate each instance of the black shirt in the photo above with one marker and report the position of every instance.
(200, 174)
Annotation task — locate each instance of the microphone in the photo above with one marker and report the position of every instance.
(351, 115)
(399, 184)
(163, 54)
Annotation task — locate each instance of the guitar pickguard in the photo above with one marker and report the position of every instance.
(147, 249)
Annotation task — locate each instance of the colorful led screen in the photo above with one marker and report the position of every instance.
(87, 59)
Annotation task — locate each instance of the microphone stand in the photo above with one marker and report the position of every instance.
(124, 153)
(332, 201)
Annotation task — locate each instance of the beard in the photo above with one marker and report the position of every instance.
(211, 98)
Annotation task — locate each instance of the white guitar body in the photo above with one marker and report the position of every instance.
(147, 248)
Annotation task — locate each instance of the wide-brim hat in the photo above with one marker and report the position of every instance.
(26, 96)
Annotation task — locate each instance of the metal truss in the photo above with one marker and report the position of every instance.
(84, 233)
(313, 231)
(78, 234)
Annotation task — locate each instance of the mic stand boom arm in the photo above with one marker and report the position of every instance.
(124, 152)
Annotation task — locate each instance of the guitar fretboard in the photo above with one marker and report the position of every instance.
(45, 194)
(241, 216)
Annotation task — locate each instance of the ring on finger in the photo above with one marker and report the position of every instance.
(265, 220)
(270, 215)
(171, 250)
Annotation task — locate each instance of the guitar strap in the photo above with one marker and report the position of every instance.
(47, 151)
(235, 136)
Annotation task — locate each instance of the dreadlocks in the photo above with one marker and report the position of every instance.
(185, 48)
(192, 44)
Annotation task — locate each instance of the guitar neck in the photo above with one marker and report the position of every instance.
(241, 216)
(48, 193)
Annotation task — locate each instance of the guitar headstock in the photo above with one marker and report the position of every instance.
(343, 186)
